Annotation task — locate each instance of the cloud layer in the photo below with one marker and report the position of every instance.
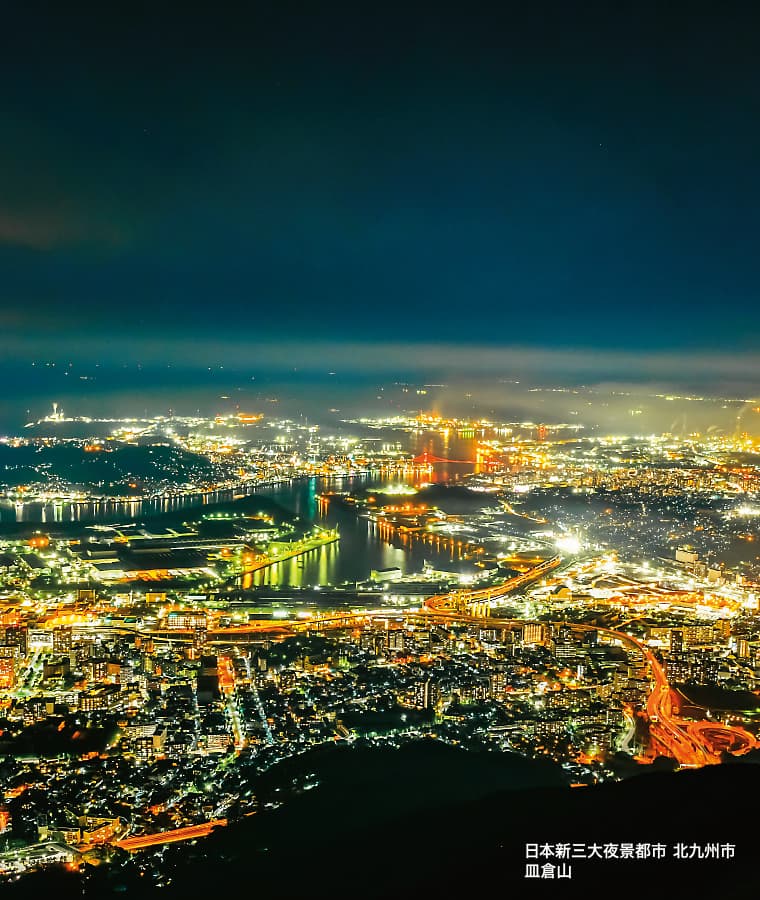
(614, 369)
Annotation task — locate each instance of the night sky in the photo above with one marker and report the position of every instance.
(560, 177)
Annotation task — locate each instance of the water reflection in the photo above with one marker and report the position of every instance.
(117, 510)
(363, 545)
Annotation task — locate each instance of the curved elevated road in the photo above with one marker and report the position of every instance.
(690, 743)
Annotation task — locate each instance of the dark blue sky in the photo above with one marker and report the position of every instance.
(569, 175)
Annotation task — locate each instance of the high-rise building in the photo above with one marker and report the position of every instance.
(17, 636)
(62, 639)
(533, 633)
(208, 681)
(396, 640)
(199, 638)
(426, 693)
(7, 673)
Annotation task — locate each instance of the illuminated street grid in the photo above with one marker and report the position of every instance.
(610, 613)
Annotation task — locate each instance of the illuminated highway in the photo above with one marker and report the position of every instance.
(188, 833)
(664, 728)
(722, 738)
(460, 600)
(690, 743)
